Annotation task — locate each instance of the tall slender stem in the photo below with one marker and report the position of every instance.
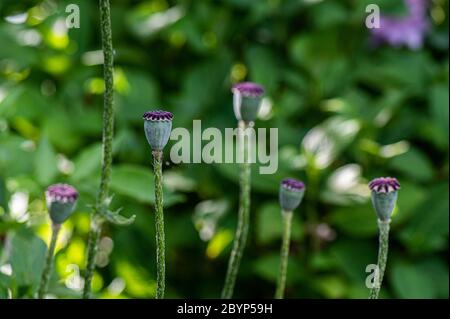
(284, 255)
(240, 237)
(94, 235)
(107, 138)
(383, 227)
(159, 222)
(48, 267)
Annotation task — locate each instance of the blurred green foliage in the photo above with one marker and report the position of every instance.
(346, 112)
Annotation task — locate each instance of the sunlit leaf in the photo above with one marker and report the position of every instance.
(27, 258)
(414, 163)
(137, 182)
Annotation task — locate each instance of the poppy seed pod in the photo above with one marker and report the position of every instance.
(157, 126)
(247, 98)
(61, 201)
(291, 194)
(384, 196)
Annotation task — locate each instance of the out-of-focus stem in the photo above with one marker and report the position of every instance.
(107, 139)
(284, 255)
(94, 235)
(48, 267)
(383, 227)
(240, 237)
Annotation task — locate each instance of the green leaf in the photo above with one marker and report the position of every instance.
(267, 268)
(197, 94)
(427, 229)
(45, 162)
(3, 194)
(408, 71)
(410, 282)
(437, 275)
(14, 158)
(117, 219)
(439, 106)
(7, 225)
(23, 101)
(329, 14)
(27, 258)
(331, 286)
(88, 162)
(5, 283)
(322, 54)
(267, 183)
(437, 127)
(358, 220)
(263, 66)
(352, 257)
(413, 163)
(137, 182)
(410, 196)
(139, 87)
(269, 224)
(60, 128)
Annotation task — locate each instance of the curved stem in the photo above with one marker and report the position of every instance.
(159, 222)
(107, 138)
(382, 257)
(284, 255)
(240, 237)
(46, 273)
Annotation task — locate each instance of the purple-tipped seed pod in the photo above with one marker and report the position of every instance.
(247, 98)
(61, 201)
(291, 194)
(157, 126)
(384, 196)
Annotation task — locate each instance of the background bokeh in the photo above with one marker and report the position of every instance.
(347, 111)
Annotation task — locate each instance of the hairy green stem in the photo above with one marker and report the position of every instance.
(383, 227)
(284, 255)
(94, 235)
(107, 139)
(159, 223)
(48, 267)
(240, 237)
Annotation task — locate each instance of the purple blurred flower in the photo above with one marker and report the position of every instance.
(61, 193)
(248, 89)
(409, 30)
(292, 184)
(61, 200)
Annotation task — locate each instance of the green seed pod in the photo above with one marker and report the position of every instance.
(157, 127)
(61, 201)
(291, 194)
(384, 196)
(247, 98)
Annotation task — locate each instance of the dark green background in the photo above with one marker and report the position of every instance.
(346, 112)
